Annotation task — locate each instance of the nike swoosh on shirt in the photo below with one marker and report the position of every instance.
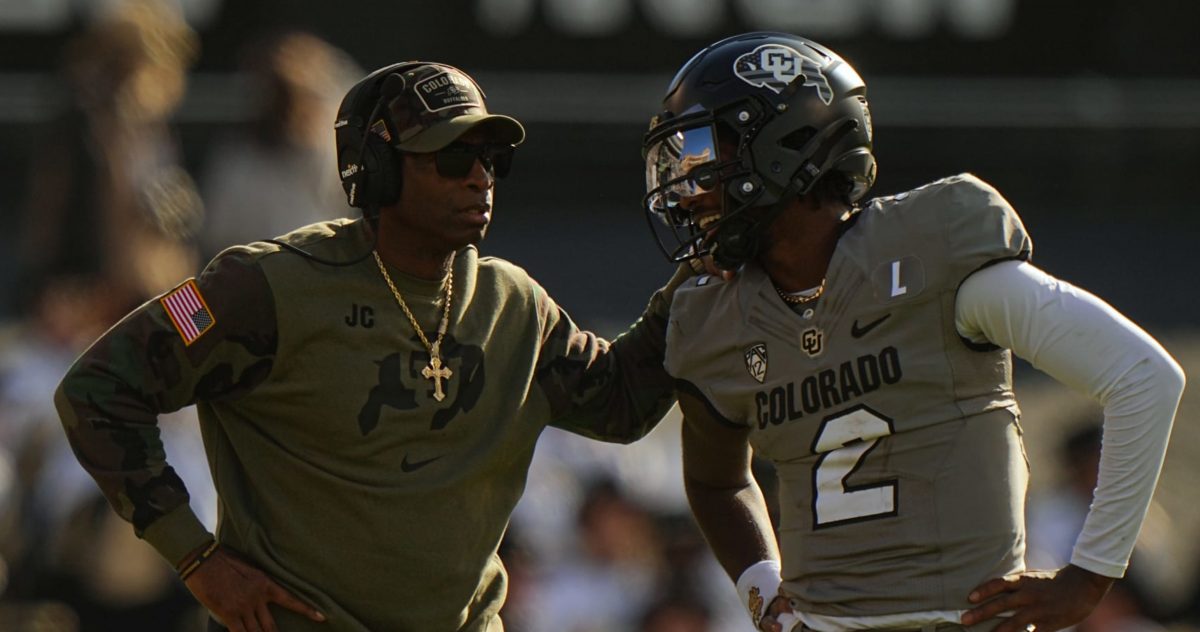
(409, 467)
(859, 332)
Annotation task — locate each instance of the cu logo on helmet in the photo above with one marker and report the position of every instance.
(781, 63)
(774, 67)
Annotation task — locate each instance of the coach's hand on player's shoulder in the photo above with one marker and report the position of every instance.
(1039, 600)
(239, 594)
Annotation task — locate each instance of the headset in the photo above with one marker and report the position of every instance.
(366, 161)
(368, 165)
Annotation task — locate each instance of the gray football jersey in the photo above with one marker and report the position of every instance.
(902, 472)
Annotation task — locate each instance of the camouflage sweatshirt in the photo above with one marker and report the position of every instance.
(338, 471)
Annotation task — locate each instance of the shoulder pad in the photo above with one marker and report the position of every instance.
(944, 230)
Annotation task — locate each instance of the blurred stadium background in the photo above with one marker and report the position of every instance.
(1086, 118)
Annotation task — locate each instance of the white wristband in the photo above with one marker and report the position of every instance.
(757, 587)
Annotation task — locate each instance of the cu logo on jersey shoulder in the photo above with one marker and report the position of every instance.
(775, 67)
(812, 341)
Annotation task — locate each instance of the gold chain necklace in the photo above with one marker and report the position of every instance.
(435, 371)
(800, 299)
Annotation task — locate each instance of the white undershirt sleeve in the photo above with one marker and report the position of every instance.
(1084, 343)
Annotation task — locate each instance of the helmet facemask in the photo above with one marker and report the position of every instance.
(688, 160)
(758, 122)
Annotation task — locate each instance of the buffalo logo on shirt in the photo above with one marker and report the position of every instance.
(397, 372)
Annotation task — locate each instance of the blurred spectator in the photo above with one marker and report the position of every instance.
(696, 581)
(676, 614)
(33, 356)
(276, 174)
(73, 564)
(545, 534)
(649, 471)
(108, 223)
(618, 573)
(107, 194)
(1055, 518)
(1121, 610)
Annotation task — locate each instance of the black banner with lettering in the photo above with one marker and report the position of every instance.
(926, 37)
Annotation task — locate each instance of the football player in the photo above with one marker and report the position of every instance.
(864, 348)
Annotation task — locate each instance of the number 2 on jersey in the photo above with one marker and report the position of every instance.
(844, 441)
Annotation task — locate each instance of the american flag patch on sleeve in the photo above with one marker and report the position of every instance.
(188, 311)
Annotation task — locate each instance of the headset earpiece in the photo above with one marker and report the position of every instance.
(382, 168)
(368, 165)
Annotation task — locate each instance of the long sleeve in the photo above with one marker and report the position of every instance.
(1084, 343)
(614, 391)
(210, 338)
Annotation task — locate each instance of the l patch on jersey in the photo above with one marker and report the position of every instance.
(188, 311)
(898, 279)
(756, 361)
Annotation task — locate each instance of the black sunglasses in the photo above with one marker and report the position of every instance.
(456, 159)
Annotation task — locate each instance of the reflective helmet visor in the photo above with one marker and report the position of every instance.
(680, 165)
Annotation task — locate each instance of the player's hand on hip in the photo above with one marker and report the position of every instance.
(239, 594)
(1041, 601)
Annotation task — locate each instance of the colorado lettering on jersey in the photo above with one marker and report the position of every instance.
(828, 388)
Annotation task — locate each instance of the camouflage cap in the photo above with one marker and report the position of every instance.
(436, 105)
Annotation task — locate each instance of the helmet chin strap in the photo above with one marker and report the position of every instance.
(739, 238)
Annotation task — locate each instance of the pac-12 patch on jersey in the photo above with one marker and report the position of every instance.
(188, 311)
(756, 361)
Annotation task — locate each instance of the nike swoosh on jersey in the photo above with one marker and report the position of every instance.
(859, 332)
(409, 467)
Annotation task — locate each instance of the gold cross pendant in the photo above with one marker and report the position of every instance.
(436, 372)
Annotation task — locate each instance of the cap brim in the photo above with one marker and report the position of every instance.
(498, 127)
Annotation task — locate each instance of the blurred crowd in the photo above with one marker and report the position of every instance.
(602, 541)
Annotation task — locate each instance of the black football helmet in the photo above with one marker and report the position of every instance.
(766, 115)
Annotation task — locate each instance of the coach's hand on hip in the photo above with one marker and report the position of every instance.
(238, 594)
